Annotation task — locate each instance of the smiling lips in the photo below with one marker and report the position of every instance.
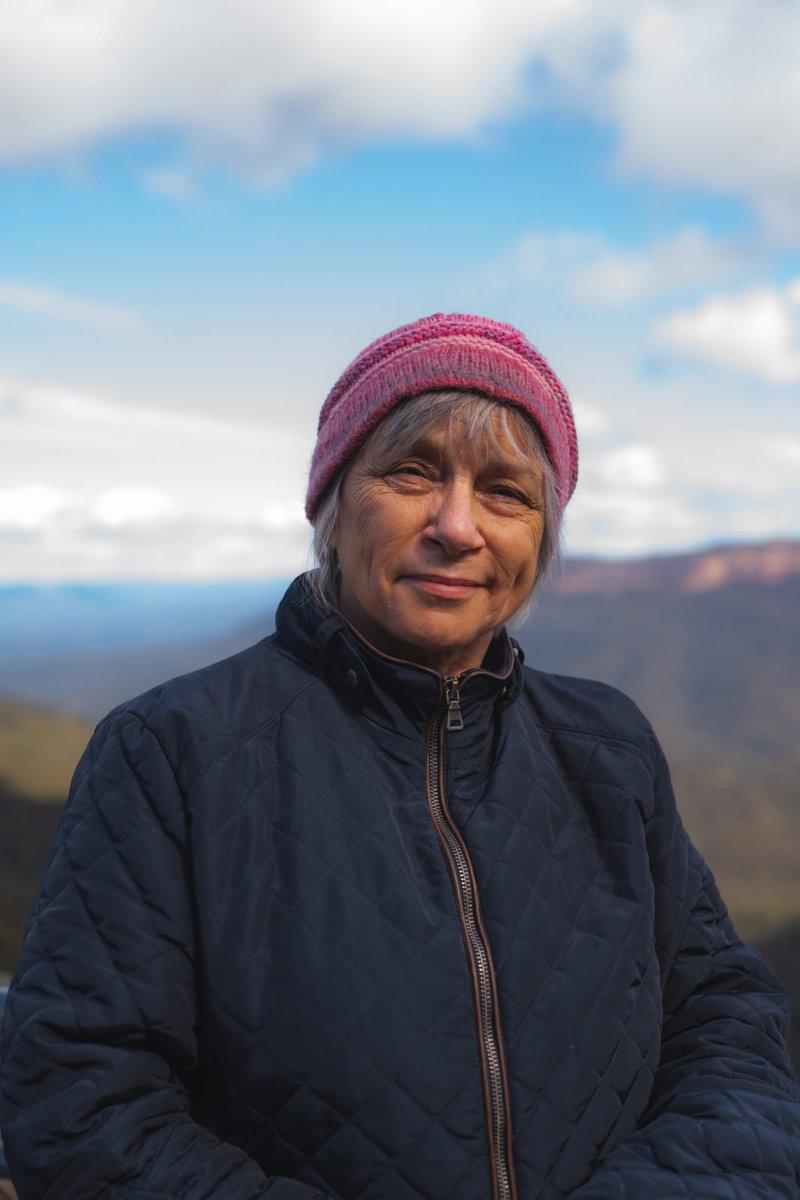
(444, 585)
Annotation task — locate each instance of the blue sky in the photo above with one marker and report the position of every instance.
(203, 218)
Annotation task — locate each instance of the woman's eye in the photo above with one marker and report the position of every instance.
(413, 469)
(508, 493)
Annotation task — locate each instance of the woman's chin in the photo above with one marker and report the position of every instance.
(440, 643)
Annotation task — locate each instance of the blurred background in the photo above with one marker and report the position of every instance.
(207, 210)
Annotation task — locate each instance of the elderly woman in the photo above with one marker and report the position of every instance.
(373, 912)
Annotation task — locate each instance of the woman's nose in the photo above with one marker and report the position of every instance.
(454, 522)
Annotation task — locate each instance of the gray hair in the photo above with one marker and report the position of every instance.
(475, 415)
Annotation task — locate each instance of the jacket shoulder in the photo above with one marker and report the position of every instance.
(586, 707)
(199, 717)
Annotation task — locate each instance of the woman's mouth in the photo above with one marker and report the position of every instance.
(451, 587)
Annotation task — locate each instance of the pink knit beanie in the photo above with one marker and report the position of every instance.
(442, 351)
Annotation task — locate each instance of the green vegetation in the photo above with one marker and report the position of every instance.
(39, 750)
(745, 820)
(38, 753)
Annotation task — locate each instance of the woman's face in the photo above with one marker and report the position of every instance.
(438, 548)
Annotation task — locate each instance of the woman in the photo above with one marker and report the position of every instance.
(373, 911)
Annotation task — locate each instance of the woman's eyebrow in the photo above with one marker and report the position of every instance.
(433, 449)
(423, 447)
(516, 467)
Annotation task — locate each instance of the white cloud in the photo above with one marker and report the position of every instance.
(716, 485)
(637, 466)
(628, 501)
(787, 450)
(132, 506)
(552, 258)
(54, 414)
(757, 332)
(701, 95)
(283, 514)
(134, 491)
(266, 87)
(591, 271)
(685, 259)
(49, 302)
(681, 464)
(629, 521)
(74, 545)
(590, 420)
(29, 507)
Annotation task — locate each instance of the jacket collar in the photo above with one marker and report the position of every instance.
(399, 695)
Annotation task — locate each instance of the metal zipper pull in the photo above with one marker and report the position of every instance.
(454, 717)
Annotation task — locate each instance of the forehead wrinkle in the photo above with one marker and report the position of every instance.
(493, 454)
(518, 467)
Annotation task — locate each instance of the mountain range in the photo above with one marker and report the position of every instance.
(707, 643)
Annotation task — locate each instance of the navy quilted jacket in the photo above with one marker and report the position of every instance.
(299, 939)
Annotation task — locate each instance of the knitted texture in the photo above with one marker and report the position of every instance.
(443, 351)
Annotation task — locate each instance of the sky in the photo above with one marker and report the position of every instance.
(206, 211)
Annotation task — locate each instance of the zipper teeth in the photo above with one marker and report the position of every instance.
(486, 1010)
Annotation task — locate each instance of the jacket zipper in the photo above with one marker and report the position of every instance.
(477, 947)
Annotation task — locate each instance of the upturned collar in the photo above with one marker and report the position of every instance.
(397, 694)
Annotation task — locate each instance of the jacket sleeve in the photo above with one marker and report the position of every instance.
(724, 1118)
(100, 1041)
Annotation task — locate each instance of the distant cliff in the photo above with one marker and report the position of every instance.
(766, 564)
(707, 644)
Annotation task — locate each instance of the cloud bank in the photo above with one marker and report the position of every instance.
(703, 96)
(594, 273)
(94, 489)
(137, 492)
(264, 88)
